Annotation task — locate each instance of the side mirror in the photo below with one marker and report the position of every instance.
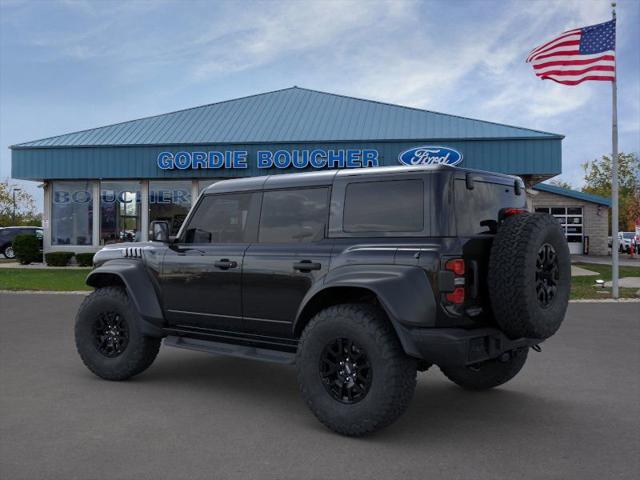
(160, 231)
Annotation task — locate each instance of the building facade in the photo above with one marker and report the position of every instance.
(106, 184)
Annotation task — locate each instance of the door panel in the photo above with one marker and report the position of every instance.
(202, 285)
(292, 229)
(273, 288)
(201, 277)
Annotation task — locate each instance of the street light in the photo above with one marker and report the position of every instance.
(14, 203)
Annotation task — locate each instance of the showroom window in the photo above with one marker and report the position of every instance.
(119, 212)
(170, 201)
(71, 213)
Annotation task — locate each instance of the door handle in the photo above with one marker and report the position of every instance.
(306, 266)
(225, 264)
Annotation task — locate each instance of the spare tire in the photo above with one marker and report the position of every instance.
(529, 275)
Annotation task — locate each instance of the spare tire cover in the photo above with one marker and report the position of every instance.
(529, 276)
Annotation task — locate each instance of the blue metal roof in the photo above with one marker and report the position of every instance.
(290, 115)
(586, 197)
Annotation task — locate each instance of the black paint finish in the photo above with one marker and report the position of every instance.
(262, 294)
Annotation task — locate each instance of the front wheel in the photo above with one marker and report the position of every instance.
(9, 253)
(352, 370)
(108, 337)
(489, 374)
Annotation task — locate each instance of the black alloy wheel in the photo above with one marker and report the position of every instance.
(345, 370)
(547, 275)
(110, 334)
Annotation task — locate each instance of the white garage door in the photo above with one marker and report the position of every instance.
(571, 220)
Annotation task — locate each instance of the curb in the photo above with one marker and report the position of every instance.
(606, 300)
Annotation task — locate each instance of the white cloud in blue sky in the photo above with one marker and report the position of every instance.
(73, 65)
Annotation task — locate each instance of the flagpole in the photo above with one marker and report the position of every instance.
(614, 177)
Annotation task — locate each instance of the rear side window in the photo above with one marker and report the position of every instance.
(385, 206)
(225, 218)
(292, 216)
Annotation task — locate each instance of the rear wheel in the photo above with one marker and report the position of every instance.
(108, 337)
(352, 371)
(8, 252)
(489, 374)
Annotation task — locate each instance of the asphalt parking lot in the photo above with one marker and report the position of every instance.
(574, 412)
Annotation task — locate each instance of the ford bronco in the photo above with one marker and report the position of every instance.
(358, 277)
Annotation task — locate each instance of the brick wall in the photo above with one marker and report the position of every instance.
(595, 225)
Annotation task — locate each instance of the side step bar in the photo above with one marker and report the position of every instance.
(220, 348)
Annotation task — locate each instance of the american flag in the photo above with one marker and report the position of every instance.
(587, 53)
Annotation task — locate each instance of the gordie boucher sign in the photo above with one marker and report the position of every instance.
(317, 158)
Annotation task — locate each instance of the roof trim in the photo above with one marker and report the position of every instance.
(565, 192)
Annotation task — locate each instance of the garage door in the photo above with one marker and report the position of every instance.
(571, 220)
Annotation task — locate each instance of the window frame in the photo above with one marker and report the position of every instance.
(252, 221)
(325, 232)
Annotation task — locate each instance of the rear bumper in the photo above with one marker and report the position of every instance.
(458, 346)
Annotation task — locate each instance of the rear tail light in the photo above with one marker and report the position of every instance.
(509, 212)
(456, 266)
(457, 296)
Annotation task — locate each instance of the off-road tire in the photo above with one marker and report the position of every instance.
(140, 351)
(393, 373)
(489, 374)
(513, 276)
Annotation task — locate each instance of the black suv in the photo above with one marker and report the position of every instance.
(7, 235)
(360, 278)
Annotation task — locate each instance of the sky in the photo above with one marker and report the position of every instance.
(72, 65)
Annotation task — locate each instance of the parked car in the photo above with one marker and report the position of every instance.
(625, 241)
(7, 234)
(360, 278)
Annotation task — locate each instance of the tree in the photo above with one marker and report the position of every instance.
(25, 207)
(597, 180)
(558, 182)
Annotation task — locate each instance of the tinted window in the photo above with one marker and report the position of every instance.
(477, 210)
(223, 219)
(388, 206)
(294, 215)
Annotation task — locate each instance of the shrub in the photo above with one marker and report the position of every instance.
(58, 259)
(27, 248)
(84, 259)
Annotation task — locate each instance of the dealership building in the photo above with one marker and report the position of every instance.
(105, 185)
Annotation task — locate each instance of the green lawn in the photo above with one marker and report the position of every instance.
(583, 287)
(67, 280)
(43, 279)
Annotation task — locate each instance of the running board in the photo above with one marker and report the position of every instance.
(219, 348)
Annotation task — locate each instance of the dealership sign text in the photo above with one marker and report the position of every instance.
(316, 158)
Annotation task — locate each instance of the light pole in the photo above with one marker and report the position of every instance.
(14, 203)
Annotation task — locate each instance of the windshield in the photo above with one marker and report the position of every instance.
(628, 234)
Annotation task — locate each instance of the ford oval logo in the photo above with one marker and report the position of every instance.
(430, 155)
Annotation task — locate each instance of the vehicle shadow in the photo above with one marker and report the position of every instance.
(440, 410)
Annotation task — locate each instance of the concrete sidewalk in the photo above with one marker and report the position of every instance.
(624, 260)
(36, 266)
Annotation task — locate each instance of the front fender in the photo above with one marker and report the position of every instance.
(140, 288)
(403, 291)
